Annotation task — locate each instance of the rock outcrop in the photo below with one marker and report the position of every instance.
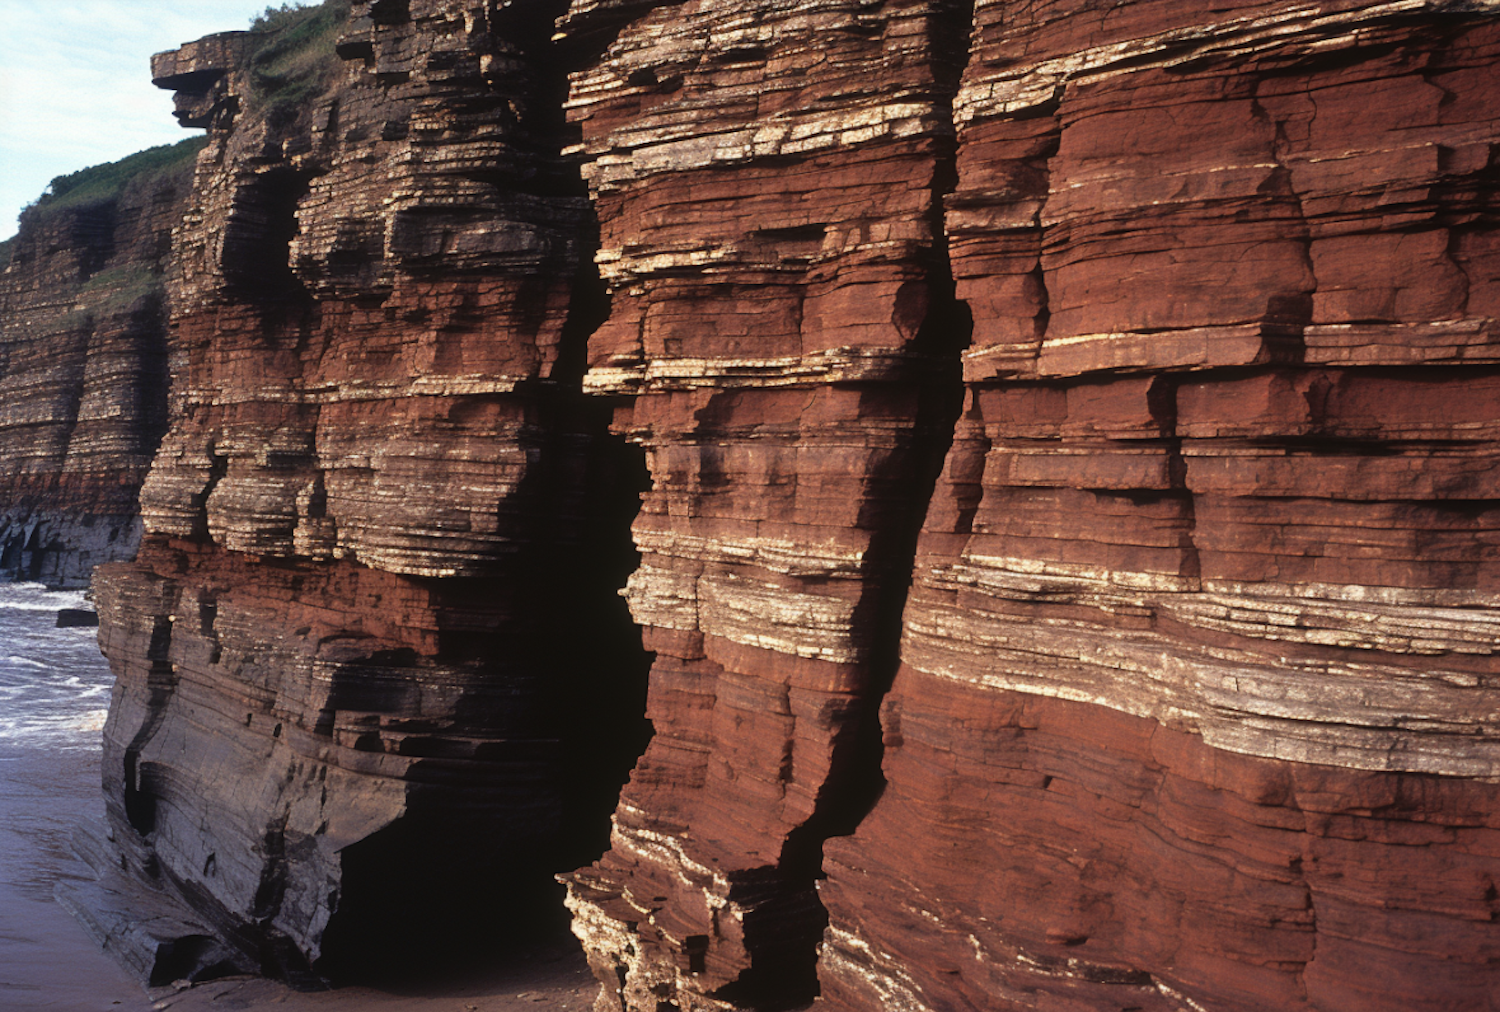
(374, 681)
(1197, 706)
(767, 178)
(83, 365)
(1068, 534)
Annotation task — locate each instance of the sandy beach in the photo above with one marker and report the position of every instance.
(46, 960)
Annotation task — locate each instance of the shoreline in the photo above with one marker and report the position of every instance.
(49, 964)
(47, 961)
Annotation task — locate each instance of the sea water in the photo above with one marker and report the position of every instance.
(54, 694)
(54, 683)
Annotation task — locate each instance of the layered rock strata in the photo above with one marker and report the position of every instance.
(767, 178)
(83, 367)
(1191, 701)
(366, 655)
(1197, 706)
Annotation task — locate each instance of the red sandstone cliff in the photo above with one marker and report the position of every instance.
(1197, 701)
(83, 370)
(1174, 323)
(767, 179)
(374, 682)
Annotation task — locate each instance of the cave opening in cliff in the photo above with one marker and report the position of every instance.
(258, 236)
(445, 890)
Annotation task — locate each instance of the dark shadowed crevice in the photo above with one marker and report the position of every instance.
(587, 312)
(581, 560)
(558, 681)
(603, 696)
(93, 235)
(149, 330)
(192, 958)
(856, 781)
(258, 235)
(218, 467)
(428, 891)
(785, 973)
(140, 793)
(440, 892)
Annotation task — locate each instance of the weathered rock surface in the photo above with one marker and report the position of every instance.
(374, 682)
(83, 367)
(1198, 698)
(767, 178)
(1186, 686)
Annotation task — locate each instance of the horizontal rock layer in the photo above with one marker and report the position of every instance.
(371, 664)
(326, 762)
(83, 364)
(766, 178)
(1032, 852)
(1186, 685)
(1198, 700)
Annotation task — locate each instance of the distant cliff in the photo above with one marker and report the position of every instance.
(1061, 445)
(83, 362)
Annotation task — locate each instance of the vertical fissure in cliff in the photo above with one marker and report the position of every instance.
(140, 796)
(856, 780)
(943, 334)
(738, 708)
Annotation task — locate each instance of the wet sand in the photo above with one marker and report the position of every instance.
(540, 980)
(47, 962)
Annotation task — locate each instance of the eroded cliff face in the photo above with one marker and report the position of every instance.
(374, 683)
(767, 179)
(83, 366)
(1197, 700)
(1176, 326)
(1196, 695)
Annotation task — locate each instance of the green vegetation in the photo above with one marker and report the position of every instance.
(295, 61)
(292, 61)
(118, 287)
(112, 291)
(99, 184)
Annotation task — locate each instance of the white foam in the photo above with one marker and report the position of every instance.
(59, 601)
(51, 680)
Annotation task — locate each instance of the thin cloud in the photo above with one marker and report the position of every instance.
(75, 83)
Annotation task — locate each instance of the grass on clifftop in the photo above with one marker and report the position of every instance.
(292, 62)
(99, 184)
(295, 61)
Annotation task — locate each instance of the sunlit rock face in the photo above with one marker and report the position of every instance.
(768, 179)
(374, 679)
(83, 370)
(1197, 706)
(1066, 548)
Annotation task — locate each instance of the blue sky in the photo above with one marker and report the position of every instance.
(75, 83)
